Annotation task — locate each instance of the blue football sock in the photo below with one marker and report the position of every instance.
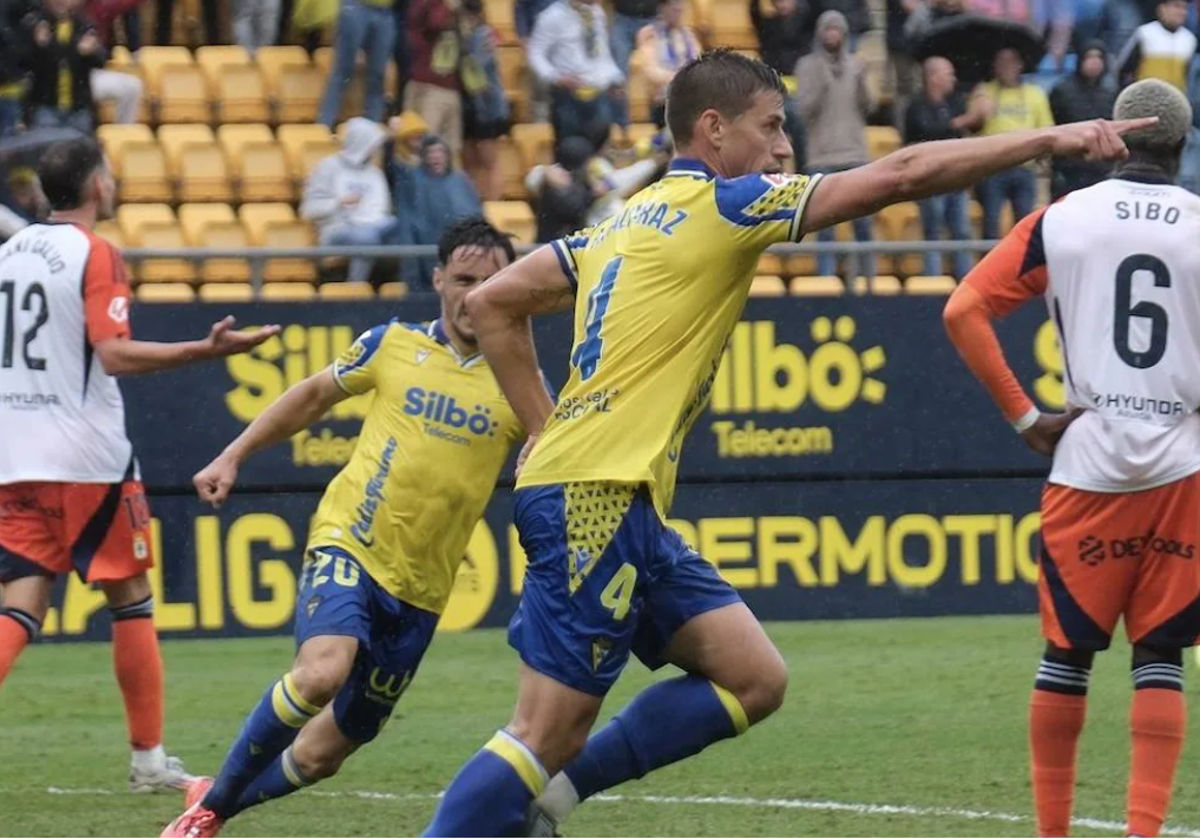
(278, 780)
(491, 794)
(666, 723)
(267, 732)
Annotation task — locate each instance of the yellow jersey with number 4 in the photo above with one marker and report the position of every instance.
(431, 448)
(659, 288)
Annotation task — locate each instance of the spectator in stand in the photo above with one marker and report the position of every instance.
(165, 15)
(525, 15)
(433, 88)
(401, 52)
(938, 112)
(485, 106)
(783, 38)
(569, 52)
(1162, 49)
(630, 17)
(663, 48)
(255, 23)
(347, 197)
(1055, 19)
(564, 192)
(900, 60)
(927, 13)
(14, 49)
(22, 202)
(434, 197)
(1000, 106)
(1084, 95)
(833, 101)
(856, 13)
(1016, 11)
(64, 51)
(123, 89)
(367, 25)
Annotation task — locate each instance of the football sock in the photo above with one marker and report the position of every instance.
(267, 732)
(1157, 722)
(138, 665)
(1056, 714)
(491, 794)
(17, 629)
(280, 779)
(667, 722)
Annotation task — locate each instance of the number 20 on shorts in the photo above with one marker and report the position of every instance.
(345, 573)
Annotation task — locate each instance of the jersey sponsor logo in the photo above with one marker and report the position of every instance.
(1139, 407)
(1093, 550)
(445, 418)
(386, 688)
(118, 309)
(28, 400)
(373, 496)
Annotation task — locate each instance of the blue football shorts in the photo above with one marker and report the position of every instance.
(338, 598)
(605, 577)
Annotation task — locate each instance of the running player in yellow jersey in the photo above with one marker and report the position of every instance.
(656, 291)
(386, 540)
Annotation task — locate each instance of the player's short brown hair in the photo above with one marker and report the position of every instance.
(721, 79)
(65, 168)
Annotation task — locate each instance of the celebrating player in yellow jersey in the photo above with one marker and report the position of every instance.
(386, 540)
(657, 291)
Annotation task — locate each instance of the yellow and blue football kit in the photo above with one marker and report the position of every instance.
(393, 525)
(659, 289)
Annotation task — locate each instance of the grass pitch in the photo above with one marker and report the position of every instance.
(924, 715)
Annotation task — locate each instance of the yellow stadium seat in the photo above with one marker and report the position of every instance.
(193, 218)
(110, 231)
(312, 154)
(975, 218)
(513, 217)
(264, 174)
(183, 95)
(800, 265)
(114, 138)
(164, 236)
(638, 92)
(730, 21)
(203, 174)
(534, 142)
(293, 234)
(509, 161)
(500, 16)
(929, 285)
(393, 290)
(213, 59)
(636, 132)
(120, 56)
(241, 95)
(770, 264)
(234, 138)
(288, 292)
(226, 293)
(165, 293)
(256, 217)
(297, 95)
(323, 60)
(131, 218)
(173, 138)
(144, 175)
(817, 286)
(902, 223)
(512, 67)
(346, 291)
(224, 236)
(153, 60)
(767, 286)
(272, 60)
(880, 284)
(882, 140)
(293, 138)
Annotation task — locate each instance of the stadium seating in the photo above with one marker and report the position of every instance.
(817, 286)
(165, 293)
(880, 284)
(213, 59)
(767, 286)
(144, 175)
(226, 293)
(272, 61)
(234, 138)
(393, 290)
(173, 139)
(346, 291)
(293, 139)
(153, 61)
(256, 217)
(132, 218)
(110, 231)
(298, 93)
(289, 234)
(194, 218)
(288, 292)
(929, 285)
(241, 95)
(203, 174)
(264, 174)
(114, 139)
(882, 140)
(535, 144)
(513, 217)
(183, 95)
(509, 161)
(164, 236)
(224, 236)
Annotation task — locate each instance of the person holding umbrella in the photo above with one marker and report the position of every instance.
(998, 107)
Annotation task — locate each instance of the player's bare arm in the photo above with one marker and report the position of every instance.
(501, 312)
(928, 169)
(298, 408)
(124, 357)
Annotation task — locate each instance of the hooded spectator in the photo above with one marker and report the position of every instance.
(347, 196)
(436, 195)
(857, 14)
(65, 48)
(833, 101)
(1084, 95)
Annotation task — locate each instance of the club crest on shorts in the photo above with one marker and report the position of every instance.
(141, 551)
(311, 606)
(600, 649)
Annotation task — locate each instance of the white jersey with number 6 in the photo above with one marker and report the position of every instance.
(62, 290)
(1122, 266)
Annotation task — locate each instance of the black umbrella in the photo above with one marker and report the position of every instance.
(26, 149)
(971, 42)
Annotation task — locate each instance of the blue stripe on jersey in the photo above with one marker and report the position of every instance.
(754, 199)
(368, 344)
(562, 250)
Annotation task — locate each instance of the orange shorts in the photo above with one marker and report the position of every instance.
(102, 531)
(1111, 555)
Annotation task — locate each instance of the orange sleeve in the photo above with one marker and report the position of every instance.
(106, 293)
(1013, 273)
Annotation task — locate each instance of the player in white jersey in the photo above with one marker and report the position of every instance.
(70, 492)
(1119, 269)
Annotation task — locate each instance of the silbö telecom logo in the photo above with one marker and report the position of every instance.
(445, 418)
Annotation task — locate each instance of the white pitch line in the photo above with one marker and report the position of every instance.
(740, 802)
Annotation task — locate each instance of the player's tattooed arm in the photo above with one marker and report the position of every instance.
(501, 312)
